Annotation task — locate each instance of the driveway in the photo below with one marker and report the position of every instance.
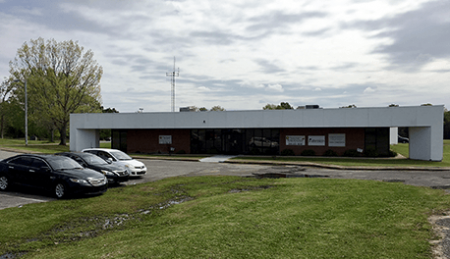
(160, 169)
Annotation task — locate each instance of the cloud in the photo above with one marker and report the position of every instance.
(268, 67)
(369, 90)
(280, 21)
(275, 87)
(417, 37)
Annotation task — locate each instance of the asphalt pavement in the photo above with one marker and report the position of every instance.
(160, 169)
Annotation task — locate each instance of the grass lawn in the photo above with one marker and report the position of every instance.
(402, 149)
(230, 217)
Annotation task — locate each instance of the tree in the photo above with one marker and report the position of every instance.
(217, 108)
(281, 106)
(61, 77)
(349, 106)
(6, 87)
(446, 124)
(203, 109)
(106, 133)
(270, 107)
(285, 106)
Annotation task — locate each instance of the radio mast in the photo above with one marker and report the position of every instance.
(172, 75)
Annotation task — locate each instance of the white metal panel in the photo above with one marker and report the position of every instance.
(419, 116)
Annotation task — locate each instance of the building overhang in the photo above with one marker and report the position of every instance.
(426, 121)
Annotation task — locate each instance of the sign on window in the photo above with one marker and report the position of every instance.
(165, 139)
(295, 140)
(336, 140)
(316, 140)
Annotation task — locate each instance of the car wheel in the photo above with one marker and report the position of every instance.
(60, 190)
(4, 183)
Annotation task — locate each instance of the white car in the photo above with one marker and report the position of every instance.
(117, 157)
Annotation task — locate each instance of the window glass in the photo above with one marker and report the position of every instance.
(119, 155)
(64, 163)
(21, 161)
(95, 160)
(38, 163)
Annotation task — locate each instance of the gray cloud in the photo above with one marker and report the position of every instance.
(419, 36)
(279, 21)
(269, 67)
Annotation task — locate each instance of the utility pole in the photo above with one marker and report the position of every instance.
(172, 75)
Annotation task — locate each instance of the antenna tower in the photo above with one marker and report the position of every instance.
(173, 74)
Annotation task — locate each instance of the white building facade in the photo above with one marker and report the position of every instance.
(266, 131)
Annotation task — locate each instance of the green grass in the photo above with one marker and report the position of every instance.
(379, 162)
(231, 217)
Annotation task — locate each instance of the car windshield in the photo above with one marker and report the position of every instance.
(95, 160)
(64, 163)
(121, 155)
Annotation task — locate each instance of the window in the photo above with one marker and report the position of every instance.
(21, 161)
(38, 163)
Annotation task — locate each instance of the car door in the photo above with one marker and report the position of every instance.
(41, 173)
(18, 170)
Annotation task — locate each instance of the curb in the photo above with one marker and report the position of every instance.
(338, 167)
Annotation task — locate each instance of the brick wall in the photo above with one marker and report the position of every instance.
(354, 138)
(147, 140)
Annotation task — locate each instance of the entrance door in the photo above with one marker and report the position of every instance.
(233, 141)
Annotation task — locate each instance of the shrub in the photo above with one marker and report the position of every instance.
(371, 152)
(392, 153)
(330, 152)
(255, 151)
(308, 152)
(181, 152)
(287, 152)
(213, 150)
(351, 153)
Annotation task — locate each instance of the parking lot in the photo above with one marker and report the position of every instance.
(159, 169)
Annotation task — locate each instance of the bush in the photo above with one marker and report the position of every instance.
(392, 153)
(308, 152)
(181, 152)
(351, 153)
(330, 152)
(255, 151)
(287, 152)
(371, 152)
(212, 150)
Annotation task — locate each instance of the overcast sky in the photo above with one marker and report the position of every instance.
(242, 55)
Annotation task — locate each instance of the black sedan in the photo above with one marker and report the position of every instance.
(62, 175)
(115, 174)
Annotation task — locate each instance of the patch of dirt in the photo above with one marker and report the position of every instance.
(441, 227)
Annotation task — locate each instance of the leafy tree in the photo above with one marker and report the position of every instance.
(217, 108)
(349, 106)
(393, 105)
(446, 124)
(106, 133)
(61, 77)
(203, 109)
(270, 107)
(285, 106)
(281, 106)
(6, 87)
